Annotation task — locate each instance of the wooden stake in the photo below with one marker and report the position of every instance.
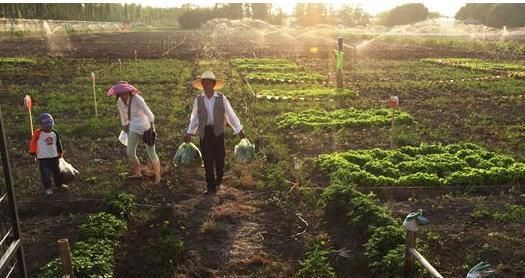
(393, 133)
(65, 258)
(94, 92)
(29, 103)
(410, 243)
(31, 121)
(136, 64)
(120, 68)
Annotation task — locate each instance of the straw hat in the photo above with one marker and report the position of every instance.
(197, 84)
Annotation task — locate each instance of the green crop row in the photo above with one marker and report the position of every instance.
(510, 213)
(258, 62)
(365, 218)
(287, 76)
(427, 165)
(93, 255)
(308, 93)
(267, 67)
(511, 69)
(340, 118)
(9, 60)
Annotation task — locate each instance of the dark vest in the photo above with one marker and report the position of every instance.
(218, 115)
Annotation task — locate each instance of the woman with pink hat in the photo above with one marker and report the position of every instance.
(138, 122)
(211, 111)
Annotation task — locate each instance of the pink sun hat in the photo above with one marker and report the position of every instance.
(122, 87)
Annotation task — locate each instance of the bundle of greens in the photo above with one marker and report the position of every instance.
(187, 155)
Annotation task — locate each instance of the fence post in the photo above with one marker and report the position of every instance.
(409, 259)
(65, 258)
(411, 226)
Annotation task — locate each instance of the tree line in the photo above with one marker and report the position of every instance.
(306, 14)
(494, 15)
(91, 12)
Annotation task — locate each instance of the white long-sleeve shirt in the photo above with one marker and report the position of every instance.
(140, 117)
(229, 114)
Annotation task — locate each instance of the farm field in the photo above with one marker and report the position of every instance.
(326, 191)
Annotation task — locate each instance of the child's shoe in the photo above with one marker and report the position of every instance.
(63, 186)
(49, 191)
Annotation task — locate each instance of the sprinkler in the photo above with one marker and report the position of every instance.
(339, 62)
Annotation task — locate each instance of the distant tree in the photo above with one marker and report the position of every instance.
(353, 16)
(261, 10)
(311, 14)
(405, 14)
(277, 18)
(494, 15)
(434, 15)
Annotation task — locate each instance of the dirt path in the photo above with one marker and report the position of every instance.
(234, 233)
(237, 232)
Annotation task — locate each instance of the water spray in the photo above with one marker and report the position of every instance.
(28, 103)
(94, 92)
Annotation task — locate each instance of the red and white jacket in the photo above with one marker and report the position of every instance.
(46, 144)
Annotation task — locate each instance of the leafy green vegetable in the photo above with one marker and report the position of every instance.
(187, 155)
(340, 118)
(427, 165)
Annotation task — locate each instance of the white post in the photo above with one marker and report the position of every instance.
(94, 92)
(136, 63)
(120, 68)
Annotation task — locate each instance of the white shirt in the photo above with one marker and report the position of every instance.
(229, 115)
(140, 117)
(47, 145)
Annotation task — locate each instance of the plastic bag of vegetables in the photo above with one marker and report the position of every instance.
(187, 155)
(244, 151)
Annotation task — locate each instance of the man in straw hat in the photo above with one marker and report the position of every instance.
(211, 110)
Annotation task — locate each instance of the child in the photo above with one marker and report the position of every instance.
(46, 146)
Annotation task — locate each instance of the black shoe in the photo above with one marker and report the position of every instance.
(210, 192)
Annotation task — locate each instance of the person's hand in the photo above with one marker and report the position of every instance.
(126, 128)
(241, 134)
(152, 126)
(187, 138)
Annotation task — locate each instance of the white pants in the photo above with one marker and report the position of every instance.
(133, 141)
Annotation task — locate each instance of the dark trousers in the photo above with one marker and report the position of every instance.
(48, 167)
(212, 149)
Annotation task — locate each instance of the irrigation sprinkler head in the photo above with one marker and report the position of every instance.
(481, 270)
(413, 219)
